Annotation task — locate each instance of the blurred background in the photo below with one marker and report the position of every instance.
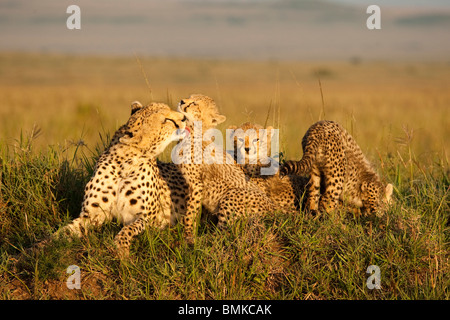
(249, 29)
(286, 63)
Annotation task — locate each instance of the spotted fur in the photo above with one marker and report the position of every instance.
(332, 159)
(251, 151)
(127, 183)
(222, 188)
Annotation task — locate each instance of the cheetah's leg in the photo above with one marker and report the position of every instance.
(312, 201)
(75, 228)
(94, 211)
(81, 224)
(126, 235)
(330, 198)
(193, 206)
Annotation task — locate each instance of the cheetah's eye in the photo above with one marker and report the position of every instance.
(241, 139)
(190, 104)
(167, 119)
(255, 140)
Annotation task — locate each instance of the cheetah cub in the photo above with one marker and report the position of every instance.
(126, 183)
(220, 186)
(252, 150)
(334, 161)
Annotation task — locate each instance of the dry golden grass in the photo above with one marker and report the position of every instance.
(74, 98)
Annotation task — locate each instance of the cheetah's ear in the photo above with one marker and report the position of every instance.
(218, 119)
(135, 106)
(389, 190)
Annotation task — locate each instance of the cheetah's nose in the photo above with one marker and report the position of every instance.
(182, 102)
(247, 149)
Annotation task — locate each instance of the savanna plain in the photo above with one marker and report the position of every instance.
(57, 113)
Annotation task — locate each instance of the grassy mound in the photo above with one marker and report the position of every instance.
(277, 256)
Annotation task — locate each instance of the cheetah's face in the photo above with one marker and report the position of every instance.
(376, 197)
(251, 142)
(201, 108)
(152, 128)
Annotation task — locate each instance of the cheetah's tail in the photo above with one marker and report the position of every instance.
(302, 167)
(299, 168)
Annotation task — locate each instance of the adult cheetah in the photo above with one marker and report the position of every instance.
(333, 158)
(126, 183)
(220, 185)
(252, 150)
(227, 192)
